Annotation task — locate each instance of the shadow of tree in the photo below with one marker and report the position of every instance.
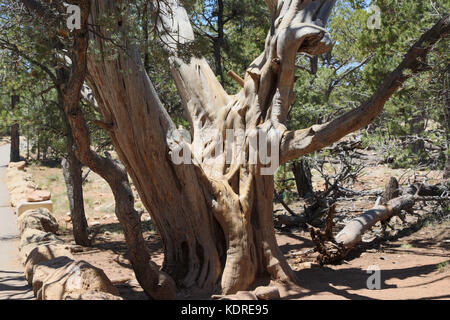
(14, 286)
(320, 280)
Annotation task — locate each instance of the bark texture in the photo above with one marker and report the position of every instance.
(215, 217)
(214, 214)
(302, 175)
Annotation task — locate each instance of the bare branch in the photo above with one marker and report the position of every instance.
(295, 144)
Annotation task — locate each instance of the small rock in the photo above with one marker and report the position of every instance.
(267, 293)
(38, 196)
(30, 236)
(76, 249)
(91, 295)
(41, 254)
(17, 165)
(240, 295)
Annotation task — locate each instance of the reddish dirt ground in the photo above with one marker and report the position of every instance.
(412, 267)
(414, 264)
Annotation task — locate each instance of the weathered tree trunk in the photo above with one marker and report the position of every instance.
(302, 175)
(15, 137)
(72, 176)
(416, 128)
(156, 284)
(391, 191)
(215, 218)
(218, 41)
(70, 88)
(214, 214)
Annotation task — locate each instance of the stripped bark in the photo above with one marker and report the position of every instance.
(214, 216)
(156, 284)
(391, 191)
(302, 174)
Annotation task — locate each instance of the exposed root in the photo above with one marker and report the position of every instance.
(329, 250)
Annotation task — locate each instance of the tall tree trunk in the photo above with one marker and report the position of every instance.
(212, 210)
(416, 128)
(72, 172)
(446, 106)
(302, 175)
(38, 151)
(73, 177)
(15, 137)
(28, 144)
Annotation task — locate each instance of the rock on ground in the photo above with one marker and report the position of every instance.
(44, 270)
(267, 293)
(39, 195)
(23, 206)
(76, 277)
(43, 253)
(91, 295)
(17, 165)
(38, 219)
(30, 236)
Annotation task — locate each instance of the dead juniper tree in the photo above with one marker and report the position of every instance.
(214, 214)
(211, 197)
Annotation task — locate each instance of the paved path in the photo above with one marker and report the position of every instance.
(12, 282)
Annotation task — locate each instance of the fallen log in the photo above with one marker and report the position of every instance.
(333, 249)
(353, 231)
